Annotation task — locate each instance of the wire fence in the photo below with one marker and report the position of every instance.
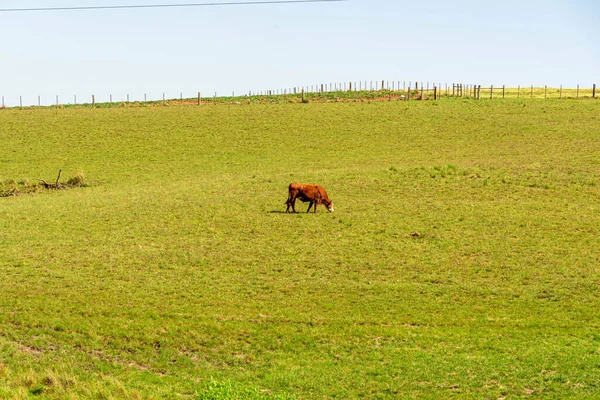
(381, 90)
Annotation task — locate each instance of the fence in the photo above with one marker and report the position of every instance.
(474, 91)
(401, 90)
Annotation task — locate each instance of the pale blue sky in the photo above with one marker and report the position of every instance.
(261, 47)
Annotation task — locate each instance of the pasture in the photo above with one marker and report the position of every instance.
(462, 259)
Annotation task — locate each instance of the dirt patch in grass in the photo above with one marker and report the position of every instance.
(13, 188)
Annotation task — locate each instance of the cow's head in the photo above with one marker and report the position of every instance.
(329, 205)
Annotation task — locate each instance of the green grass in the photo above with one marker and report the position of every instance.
(175, 273)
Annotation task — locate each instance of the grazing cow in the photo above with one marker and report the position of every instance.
(314, 194)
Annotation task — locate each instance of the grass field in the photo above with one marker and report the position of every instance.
(462, 259)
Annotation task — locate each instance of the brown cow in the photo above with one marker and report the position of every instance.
(314, 194)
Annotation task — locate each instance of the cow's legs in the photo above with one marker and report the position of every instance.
(291, 202)
(309, 206)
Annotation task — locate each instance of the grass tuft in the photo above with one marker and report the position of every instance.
(76, 181)
(228, 390)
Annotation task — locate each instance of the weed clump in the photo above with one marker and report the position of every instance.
(76, 181)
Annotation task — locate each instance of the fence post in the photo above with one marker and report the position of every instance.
(199, 99)
(435, 96)
(577, 91)
(21, 101)
(594, 91)
(491, 92)
(303, 101)
(93, 101)
(532, 91)
(408, 93)
(560, 95)
(503, 90)
(545, 91)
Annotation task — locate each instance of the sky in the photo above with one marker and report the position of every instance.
(253, 48)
